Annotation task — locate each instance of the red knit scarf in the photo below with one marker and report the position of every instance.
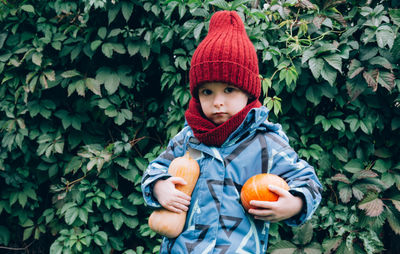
(209, 133)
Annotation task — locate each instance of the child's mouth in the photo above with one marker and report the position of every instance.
(219, 113)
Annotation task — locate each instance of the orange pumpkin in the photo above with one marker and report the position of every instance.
(163, 221)
(256, 188)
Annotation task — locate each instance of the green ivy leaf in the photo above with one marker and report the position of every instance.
(372, 205)
(395, 50)
(313, 248)
(102, 32)
(371, 242)
(340, 178)
(28, 8)
(382, 166)
(354, 166)
(381, 61)
(335, 61)
(303, 234)
(238, 3)
(37, 58)
(341, 153)
(109, 78)
(395, 123)
(387, 80)
(73, 165)
(70, 74)
(117, 220)
(308, 54)
(189, 26)
(3, 37)
(27, 233)
(170, 7)
(4, 235)
(283, 247)
(331, 244)
(337, 124)
(93, 86)
(367, 53)
(131, 222)
(113, 12)
(355, 68)
(144, 50)
(385, 36)
(71, 214)
(95, 44)
(130, 174)
(355, 87)
(395, 16)
(133, 47)
(329, 74)
(140, 163)
(197, 31)
(107, 49)
(314, 94)
(366, 126)
(119, 48)
(345, 192)
(100, 238)
(393, 219)
(83, 215)
(316, 65)
(80, 87)
(220, 4)
(122, 161)
(22, 198)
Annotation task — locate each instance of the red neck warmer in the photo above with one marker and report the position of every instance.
(206, 131)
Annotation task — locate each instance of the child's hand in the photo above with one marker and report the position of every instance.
(169, 197)
(284, 208)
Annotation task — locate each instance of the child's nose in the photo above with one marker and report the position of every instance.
(218, 100)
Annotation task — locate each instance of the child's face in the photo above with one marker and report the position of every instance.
(220, 101)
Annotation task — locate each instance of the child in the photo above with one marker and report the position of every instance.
(228, 133)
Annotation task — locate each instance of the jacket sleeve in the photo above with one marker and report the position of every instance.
(301, 178)
(158, 169)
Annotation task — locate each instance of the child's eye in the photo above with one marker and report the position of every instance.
(229, 89)
(205, 92)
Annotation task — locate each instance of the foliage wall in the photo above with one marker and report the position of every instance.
(91, 91)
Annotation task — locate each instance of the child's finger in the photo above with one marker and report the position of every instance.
(277, 190)
(183, 195)
(174, 209)
(181, 207)
(177, 180)
(183, 201)
(261, 212)
(263, 204)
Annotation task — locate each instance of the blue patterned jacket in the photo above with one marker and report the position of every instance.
(216, 221)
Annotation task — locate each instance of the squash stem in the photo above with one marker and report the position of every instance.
(187, 155)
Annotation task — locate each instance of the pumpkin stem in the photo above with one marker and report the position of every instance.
(187, 155)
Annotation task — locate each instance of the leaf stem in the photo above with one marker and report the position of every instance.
(71, 184)
(334, 193)
(11, 248)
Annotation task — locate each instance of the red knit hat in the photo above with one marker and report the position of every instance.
(226, 55)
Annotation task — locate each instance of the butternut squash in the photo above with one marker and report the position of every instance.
(165, 222)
